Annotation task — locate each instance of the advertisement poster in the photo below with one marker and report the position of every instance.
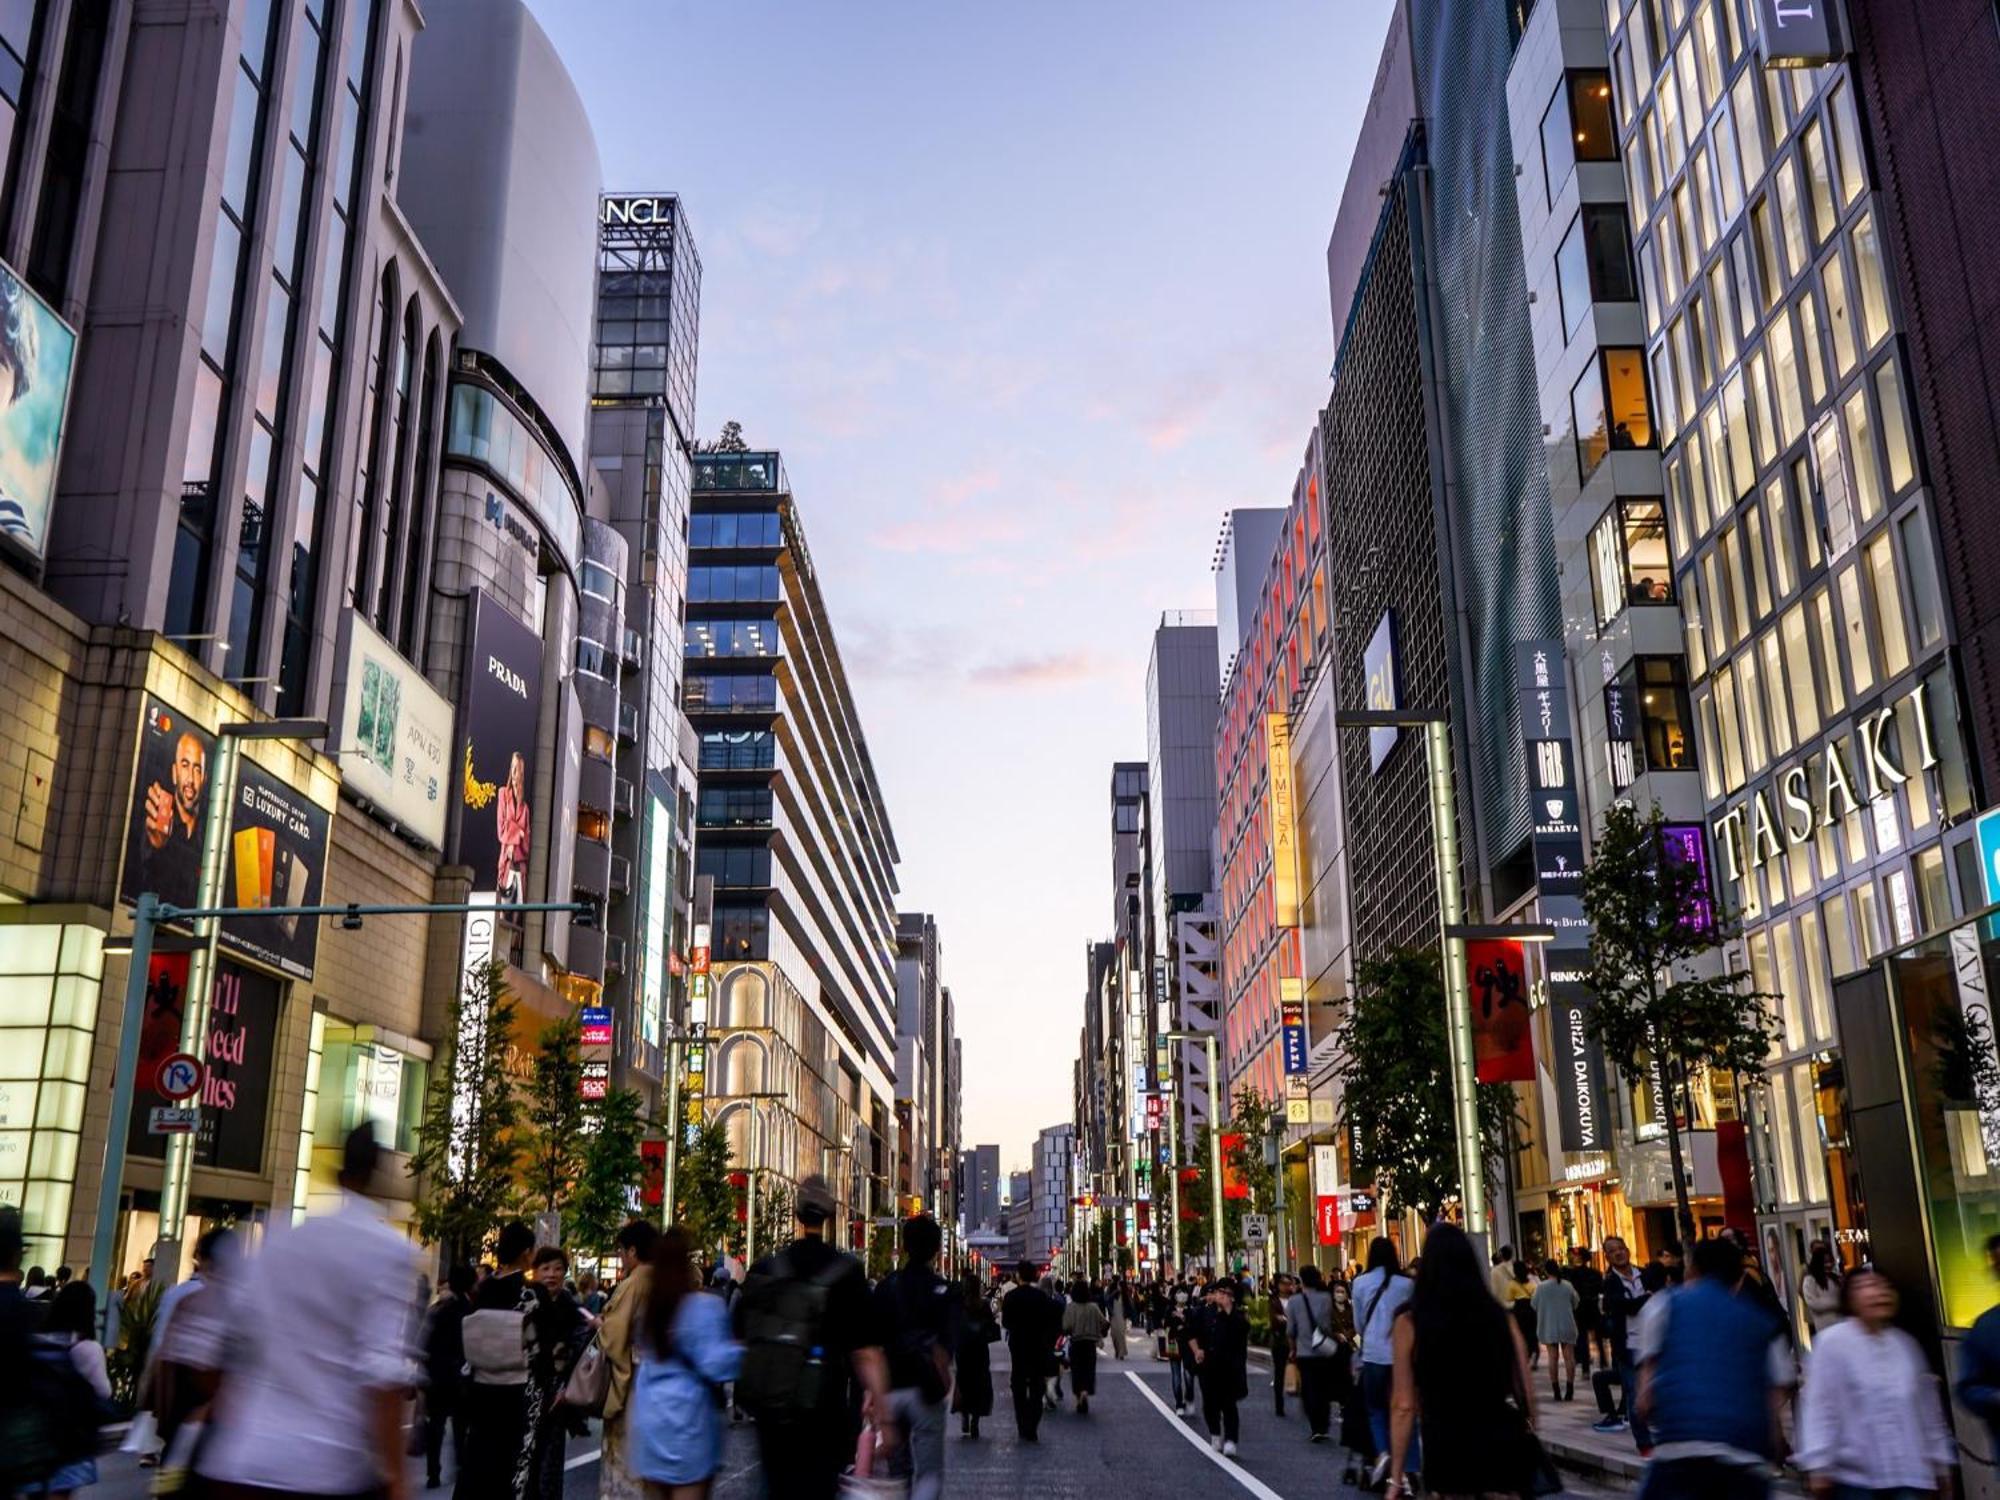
(169, 807)
(1503, 1042)
(1384, 686)
(241, 1041)
(37, 359)
(397, 750)
(276, 857)
(503, 676)
(1579, 1065)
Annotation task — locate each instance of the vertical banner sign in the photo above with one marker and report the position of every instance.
(1284, 831)
(469, 1046)
(1233, 1185)
(169, 817)
(1326, 1219)
(1503, 1042)
(1685, 845)
(498, 712)
(1621, 751)
(652, 1173)
(1292, 1015)
(241, 1041)
(276, 857)
(1579, 1061)
(1383, 687)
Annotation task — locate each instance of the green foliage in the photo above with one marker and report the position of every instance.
(1659, 990)
(704, 1203)
(557, 1115)
(776, 1227)
(731, 440)
(610, 1167)
(138, 1319)
(459, 1209)
(881, 1250)
(1394, 1061)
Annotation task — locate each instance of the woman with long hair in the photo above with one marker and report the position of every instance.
(686, 1356)
(69, 1337)
(1461, 1379)
(1822, 1289)
(972, 1391)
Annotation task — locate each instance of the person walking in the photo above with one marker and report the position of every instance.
(1501, 1277)
(1313, 1338)
(1589, 1283)
(1625, 1297)
(498, 1440)
(683, 1357)
(1052, 1391)
(312, 1399)
(807, 1326)
(1521, 1305)
(1462, 1397)
(1278, 1337)
(918, 1316)
(1869, 1418)
(979, 1331)
(1221, 1340)
(444, 1373)
(1715, 1368)
(1978, 1382)
(68, 1337)
(1555, 1307)
(1032, 1323)
(1379, 1293)
(1822, 1289)
(558, 1329)
(1083, 1324)
(618, 1336)
(1119, 1311)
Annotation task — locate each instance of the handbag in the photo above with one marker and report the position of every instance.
(590, 1381)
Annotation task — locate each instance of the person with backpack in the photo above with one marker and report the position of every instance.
(1083, 1325)
(1379, 1294)
(1032, 1324)
(444, 1373)
(68, 1342)
(496, 1359)
(806, 1326)
(686, 1357)
(1315, 1349)
(918, 1316)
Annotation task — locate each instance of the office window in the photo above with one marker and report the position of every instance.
(1791, 215)
(734, 865)
(1880, 555)
(1781, 523)
(1840, 321)
(727, 693)
(1658, 686)
(1926, 604)
(1610, 407)
(738, 750)
(594, 659)
(1819, 179)
(1873, 283)
(1895, 427)
(1854, 619)
(1847, 141)
(1795, 634)
(735, 807)
(1594, 263)
(1784, 366)
(1770, 653)
(740, 932)
(600, 582)
(1576, 127)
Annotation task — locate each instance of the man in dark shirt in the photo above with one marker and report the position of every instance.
(1589, 1284)
(444, 1371)
(496, 1397)
(917, 1314)
(804, 1452)
(171, 828)
(1029, 1317)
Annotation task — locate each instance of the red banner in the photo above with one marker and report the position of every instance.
(1233, 1186)
(1326, 1218)
(652, 1173)
(1503, 1041)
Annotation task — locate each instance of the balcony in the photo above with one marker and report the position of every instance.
(631, 649)
(624, 798)
(628, 723)
(591, 868)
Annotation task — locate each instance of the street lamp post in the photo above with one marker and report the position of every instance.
(1207, 1039)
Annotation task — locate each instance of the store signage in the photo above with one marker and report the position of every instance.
(497, 723)
(1298, 1100)
(1155, 1111)
(1383, 687)
(1800, 33)
(595, 1021)
(1284, 828)
(1502, 1035)
(1326, 1168)
(277, 857)
(637, 210)
(397, 736)
(169, 812)
(652, 1173)
(1686, 845)
(1552, 779)
(38, 354)
(1297, 1052)
(1821, 791)
(1621, 750)
(1579, 1061)
(1326, 1218)
(234, 1091)
(475, 956)
(596, 1081)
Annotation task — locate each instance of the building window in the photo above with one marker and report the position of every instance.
(600, 582)
(593, 825)
(593, 658)
(1610, 407)
(735, 807)
(755, 584)
(1594, 263)
(738, 750)
(734, 865)
(1658, 685)
(740, 932)
(1629, 559)
(715, 693)
(757, 528)
(1577, 127)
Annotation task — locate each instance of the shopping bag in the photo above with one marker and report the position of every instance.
(1292, 1379)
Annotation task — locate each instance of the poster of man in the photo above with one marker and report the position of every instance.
(502, 702)
(37, 355)
(169, 807)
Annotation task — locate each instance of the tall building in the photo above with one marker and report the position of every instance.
(979, 1187)
(926, 1074)
(640, 772)
(797, 840)
(1050, 1193)
(1243, 550)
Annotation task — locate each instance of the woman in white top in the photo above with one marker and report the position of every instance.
(1870, 1416)
(1821, 1288)
(70, 1334)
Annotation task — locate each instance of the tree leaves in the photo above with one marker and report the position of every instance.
(458, 1209)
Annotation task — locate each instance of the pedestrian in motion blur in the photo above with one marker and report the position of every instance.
(1870, 1417)
(685, 1357)
(444, 1373)
(618, 1337)
(1032, 1324)
(1221, 1340)
(1278, 1337)
(1083, 1324)
(1823, 1289)
(69, 1338)
(1315, 1343)
(1461, 1381)
(1555, 1305)
(979, 1331)
(312, 1398)
(918, 1316)
(1379, 1294)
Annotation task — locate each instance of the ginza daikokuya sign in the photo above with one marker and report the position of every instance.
(1825, 788)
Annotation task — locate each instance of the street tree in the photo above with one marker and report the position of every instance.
(1665, 1001)
(469, 1149)
(1393, 1055)
(775, 1226)
(704, 1203)
(611, 1167)
(557, 1114)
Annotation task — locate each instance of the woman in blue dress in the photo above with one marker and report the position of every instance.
(686, 1356)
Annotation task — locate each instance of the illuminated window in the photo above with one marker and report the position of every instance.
(1576, 127)
(1610, 407)
(1657, 685)
(593, 825)
(1594, 263)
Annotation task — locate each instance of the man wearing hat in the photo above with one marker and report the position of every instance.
(813, 1297)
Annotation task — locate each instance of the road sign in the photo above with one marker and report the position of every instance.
(171, 1120)
(179, 1077)
(1256, 1229)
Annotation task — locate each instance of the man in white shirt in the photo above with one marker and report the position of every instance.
(313, 1400)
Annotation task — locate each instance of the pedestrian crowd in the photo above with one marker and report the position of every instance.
(292, 1371)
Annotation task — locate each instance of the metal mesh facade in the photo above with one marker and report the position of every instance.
(1498, 484)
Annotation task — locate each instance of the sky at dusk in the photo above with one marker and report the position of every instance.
(1028, 295)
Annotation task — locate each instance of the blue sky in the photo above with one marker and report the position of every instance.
(1028, 295)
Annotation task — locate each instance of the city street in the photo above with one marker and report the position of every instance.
(1129, 1444)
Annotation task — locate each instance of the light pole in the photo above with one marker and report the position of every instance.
(678, 1039)
(1207, 1039)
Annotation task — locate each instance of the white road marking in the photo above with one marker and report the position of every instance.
(1243, 1477)
(583, 1458)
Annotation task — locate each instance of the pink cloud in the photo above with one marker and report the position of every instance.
(949, 535)
(1049, 669)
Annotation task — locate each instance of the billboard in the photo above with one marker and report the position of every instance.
(1384, 686)
(1579, 1066)
(169, 814)
(1800, 33)
(276, 857)
(37, 361)
(500, 704)
(1503, 1043)
(241, 1042)
(396, 735)
(1284, 829)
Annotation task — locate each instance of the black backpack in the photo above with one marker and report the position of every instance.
(57, 1424)
(919, 1344)
(786, 1373)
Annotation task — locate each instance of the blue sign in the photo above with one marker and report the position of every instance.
(1384, 687)
(1987, 831)
(1295, 1050)
(596, 1023)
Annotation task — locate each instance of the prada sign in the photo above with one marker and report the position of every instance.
(1823, 790)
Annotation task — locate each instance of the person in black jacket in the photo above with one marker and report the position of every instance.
(1221, 1340)
(444, 1372)
(1626, 1292)
(1029, 1316)
(972, 1391)
(1589, 1284)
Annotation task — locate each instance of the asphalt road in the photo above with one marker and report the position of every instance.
(1130, 1444)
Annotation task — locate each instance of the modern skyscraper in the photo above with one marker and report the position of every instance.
(926, 1089)
(796, 837)
(979, 1187)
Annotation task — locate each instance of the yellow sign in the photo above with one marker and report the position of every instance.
(1284, 830)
